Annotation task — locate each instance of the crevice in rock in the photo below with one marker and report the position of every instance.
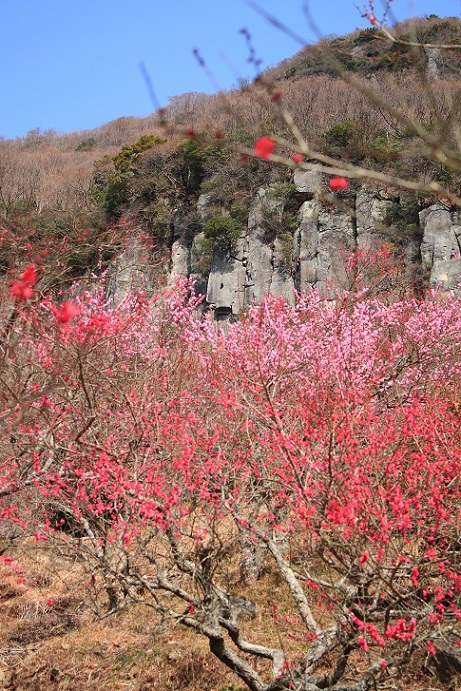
(355, 236)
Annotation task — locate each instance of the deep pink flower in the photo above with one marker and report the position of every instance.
(68, 311)
(362, 643)
(264, 147)
(21, 288)
(29, 276)
(21, 291)
(339, 183)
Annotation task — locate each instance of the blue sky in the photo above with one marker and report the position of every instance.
(74, 65)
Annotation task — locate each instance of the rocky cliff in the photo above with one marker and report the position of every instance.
(314, 253)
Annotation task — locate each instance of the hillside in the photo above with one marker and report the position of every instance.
(150, 172)
(44, 169)
(368, 52)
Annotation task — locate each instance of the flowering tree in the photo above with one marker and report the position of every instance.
(306, 460)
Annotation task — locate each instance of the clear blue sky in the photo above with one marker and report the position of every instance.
(74, 64)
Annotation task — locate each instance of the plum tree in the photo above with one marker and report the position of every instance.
(307, 456)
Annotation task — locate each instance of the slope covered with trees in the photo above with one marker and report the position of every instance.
(141, 163)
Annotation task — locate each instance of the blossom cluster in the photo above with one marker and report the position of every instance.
(315, 424)
(264, 147)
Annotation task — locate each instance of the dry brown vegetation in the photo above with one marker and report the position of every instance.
(50, 640)
(47, 170)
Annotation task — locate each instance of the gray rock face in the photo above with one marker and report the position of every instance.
(270, 258)
(370, 211)
(325, 237)
(227, 279)
(269, 267)
(434, 62)
(184, 226)
(180, 261)
(307, 181)
(254, 266)
(441, 246)
(203, 207)
(129, 273)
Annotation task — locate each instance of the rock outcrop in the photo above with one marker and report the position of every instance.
(441, 245)
(269, 259)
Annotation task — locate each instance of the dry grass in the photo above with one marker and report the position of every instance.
(51, 640)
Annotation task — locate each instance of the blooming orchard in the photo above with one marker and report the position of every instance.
(318, 443)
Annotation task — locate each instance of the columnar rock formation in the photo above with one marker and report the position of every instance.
(441, 245)
(313, 254)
